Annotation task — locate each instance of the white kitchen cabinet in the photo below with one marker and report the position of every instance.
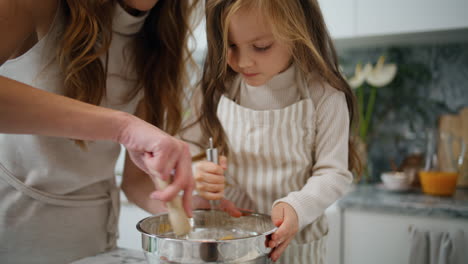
(370, 237)
(130, 214)
(340, 17)
(333, 214)
(380, 21)
(382, 17)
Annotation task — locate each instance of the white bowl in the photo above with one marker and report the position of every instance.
(396, 181)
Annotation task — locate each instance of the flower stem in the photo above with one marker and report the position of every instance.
(370, 109)
(360, 93)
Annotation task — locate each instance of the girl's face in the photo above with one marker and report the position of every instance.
(141, 5)
(253, 51)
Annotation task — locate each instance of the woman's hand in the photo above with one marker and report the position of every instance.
(160, 155)
(285, 218)
(209, 179)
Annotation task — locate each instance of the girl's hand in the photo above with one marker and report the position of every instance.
(209, 179)
(225, 205)
(285, 218)
(159, 155)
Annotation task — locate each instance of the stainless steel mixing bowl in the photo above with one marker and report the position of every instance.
(216, 237)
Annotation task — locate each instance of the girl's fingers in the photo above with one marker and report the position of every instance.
(211, 196)
(223, 162)
(276, 253)
(209, 167)
(277, 215)
(283, 233)
(287, 228)
(208, 187)
(209, 178)
(230, 208)
(199, 202)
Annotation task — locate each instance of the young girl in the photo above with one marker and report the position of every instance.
(74, 71)
(277, 107)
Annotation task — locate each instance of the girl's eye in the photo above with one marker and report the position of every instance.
(262, 48)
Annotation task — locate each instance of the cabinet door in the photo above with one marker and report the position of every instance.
(339, 16)
(333, 214)
(130, 215)
(380, 17)
(385, 238)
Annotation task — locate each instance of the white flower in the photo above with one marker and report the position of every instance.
(382, 74)
(360, 75)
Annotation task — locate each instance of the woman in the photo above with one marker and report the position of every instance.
(72, 74)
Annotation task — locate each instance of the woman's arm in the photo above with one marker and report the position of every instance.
(26, 110)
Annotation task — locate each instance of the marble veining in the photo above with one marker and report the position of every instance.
(116, 256)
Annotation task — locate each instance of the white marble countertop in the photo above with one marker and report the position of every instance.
(116, 256)
(414, 202)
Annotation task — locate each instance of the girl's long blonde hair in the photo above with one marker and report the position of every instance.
(299, 22)
(160, 54)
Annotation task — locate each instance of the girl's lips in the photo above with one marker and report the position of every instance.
(249, 74)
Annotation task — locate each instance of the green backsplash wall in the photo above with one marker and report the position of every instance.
(431, 80)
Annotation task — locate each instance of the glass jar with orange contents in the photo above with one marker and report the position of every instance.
(444, 157)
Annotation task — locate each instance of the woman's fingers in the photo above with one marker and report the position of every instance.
(160, 155)
(180, 171)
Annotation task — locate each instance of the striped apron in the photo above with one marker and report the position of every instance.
(271, 156)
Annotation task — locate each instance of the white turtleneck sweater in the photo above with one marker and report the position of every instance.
(277, 93)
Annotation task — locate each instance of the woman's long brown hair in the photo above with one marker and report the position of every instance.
(160, 54)
(299, 22)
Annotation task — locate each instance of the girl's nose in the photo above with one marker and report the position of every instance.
(244, 60)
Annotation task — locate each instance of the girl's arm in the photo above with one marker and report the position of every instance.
(330, 177)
